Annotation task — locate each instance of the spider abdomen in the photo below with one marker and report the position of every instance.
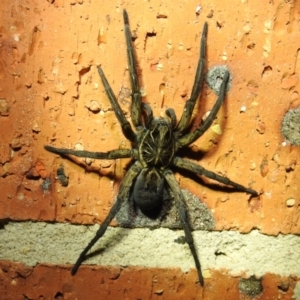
(148, 189)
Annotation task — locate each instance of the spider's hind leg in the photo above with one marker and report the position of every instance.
(170, 178)
(122, 196)
(188, 165)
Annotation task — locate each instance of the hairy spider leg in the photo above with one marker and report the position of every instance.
(148, 114)
(180, 205)
(126, 127)
(113, 154)
(198, 82)
(170, 112)
(191, 137)
(123, 195)
(197, 169)
(136, 96)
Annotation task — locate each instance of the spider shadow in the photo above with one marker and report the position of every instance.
(107, 242)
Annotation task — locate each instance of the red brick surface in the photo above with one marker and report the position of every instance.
(47, 282)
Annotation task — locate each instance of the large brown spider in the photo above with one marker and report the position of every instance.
(154, 147)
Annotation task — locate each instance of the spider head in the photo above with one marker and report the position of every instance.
(157, 146)
(160, 129)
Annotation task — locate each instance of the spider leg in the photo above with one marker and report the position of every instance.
(198, 81)
(122, 196)
(148, 114)
(170, 178)
(172, 116)
(132, 66)
(114, 154)
(126, 127)
(193, 136)
(197, 169)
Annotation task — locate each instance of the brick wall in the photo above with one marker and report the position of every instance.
(51, 93)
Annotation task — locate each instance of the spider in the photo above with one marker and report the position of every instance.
(155, 142)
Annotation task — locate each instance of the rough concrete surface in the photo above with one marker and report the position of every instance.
(199, 215)
(297, 291)
(291, 126)
(251, 254)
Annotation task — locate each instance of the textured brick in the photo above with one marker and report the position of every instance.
(49, 51)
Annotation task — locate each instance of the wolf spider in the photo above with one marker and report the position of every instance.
(155, 143)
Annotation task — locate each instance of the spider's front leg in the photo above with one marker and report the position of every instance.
(193, 136)
(179, 201)
(123, 195)
(198, 82)
(126, 127)
(136, 105)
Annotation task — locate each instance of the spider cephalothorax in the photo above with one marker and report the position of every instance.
(156, 146)
(155, 143)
